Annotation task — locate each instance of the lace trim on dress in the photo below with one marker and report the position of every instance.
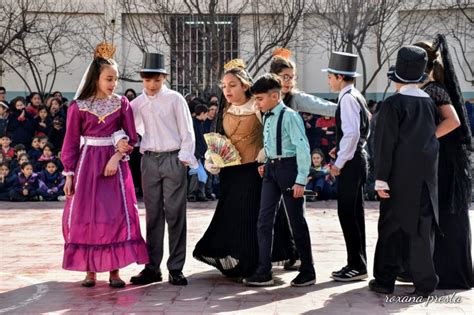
(102, 108)
(248, 108)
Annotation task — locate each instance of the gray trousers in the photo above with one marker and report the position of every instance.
(164, 193)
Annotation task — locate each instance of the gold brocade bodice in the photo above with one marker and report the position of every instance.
(246, 134)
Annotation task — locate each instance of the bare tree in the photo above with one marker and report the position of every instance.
(45, 49)
(377, 27)
(455, 19)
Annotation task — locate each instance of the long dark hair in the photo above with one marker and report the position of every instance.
(246, 80)
(90, 86)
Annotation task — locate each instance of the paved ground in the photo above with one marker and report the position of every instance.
(32, 281)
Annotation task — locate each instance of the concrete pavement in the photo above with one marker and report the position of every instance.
(32, 281)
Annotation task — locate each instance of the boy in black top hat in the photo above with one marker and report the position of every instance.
(406, 159)
(352, 129)
(163, 120)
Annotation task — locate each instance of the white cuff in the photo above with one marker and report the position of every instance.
(70, 173)
(119, 135)
(381, 185)
(261, 156)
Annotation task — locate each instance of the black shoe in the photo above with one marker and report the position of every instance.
(258, 280)
(292, 264)
(88, 283)
(350, 274)
(201, 197)
(404, 280)
(304, 279)
(177, 278)
(116, 283)
(375, 286)
(146, 276)
(211, 196)
(340, 271)
(424, 294)
(191, 198)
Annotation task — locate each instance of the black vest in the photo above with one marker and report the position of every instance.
(364, 119)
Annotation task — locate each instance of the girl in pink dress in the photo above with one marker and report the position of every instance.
(101, 226)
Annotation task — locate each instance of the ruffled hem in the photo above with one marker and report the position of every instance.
(103, 258)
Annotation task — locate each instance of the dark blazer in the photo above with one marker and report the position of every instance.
(406, 155)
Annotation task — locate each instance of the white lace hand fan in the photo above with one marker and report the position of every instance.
(221, 151)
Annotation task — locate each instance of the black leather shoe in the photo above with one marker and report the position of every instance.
(304, 279)
(376, 286)
(421, 293)
(177, 278)
(88, 282)
(146, 276)
(116, 283)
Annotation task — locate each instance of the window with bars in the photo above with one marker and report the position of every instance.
(200, 45)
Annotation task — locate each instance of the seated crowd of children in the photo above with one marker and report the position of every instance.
(31, 176)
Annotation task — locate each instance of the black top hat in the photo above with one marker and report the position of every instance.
(153, 62)
(410, 66)
(343, 63)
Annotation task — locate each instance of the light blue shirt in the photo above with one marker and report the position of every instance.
(293, 140)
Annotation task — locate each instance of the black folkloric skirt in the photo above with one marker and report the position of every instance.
(230, 242)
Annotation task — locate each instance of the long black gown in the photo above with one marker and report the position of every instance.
(452, 256)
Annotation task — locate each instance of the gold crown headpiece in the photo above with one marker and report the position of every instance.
(282, 52)
(235, 63)
(104, 50)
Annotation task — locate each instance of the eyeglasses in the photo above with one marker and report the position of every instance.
(287, 78)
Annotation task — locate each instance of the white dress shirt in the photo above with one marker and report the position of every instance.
(165, 124)
(350, 125)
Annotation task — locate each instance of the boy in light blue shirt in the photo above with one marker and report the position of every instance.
(288, 161)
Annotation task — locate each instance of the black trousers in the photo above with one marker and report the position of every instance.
(279, 176)
(350, 209)
(420, 247)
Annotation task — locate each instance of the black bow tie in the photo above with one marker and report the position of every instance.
(267, 114)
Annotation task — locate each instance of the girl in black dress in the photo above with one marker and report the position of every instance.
(452, 256)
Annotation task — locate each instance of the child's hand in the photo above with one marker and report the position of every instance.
(383, 194)
(261, 170)
(112, 166)
(335, 171)
(298, 191)
(123, 146)
(68, 188)
(25, 192)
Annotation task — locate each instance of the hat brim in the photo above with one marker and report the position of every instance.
(163, 71)
(393, 77)
(346, 73)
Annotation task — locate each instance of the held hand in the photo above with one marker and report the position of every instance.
(112, 166)
(261, 170)
(211, 168)
(123, 146)
(68, 188)
(332, 153)
(25, 192)
(335, 171)
(383, 194)
(298, 191)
